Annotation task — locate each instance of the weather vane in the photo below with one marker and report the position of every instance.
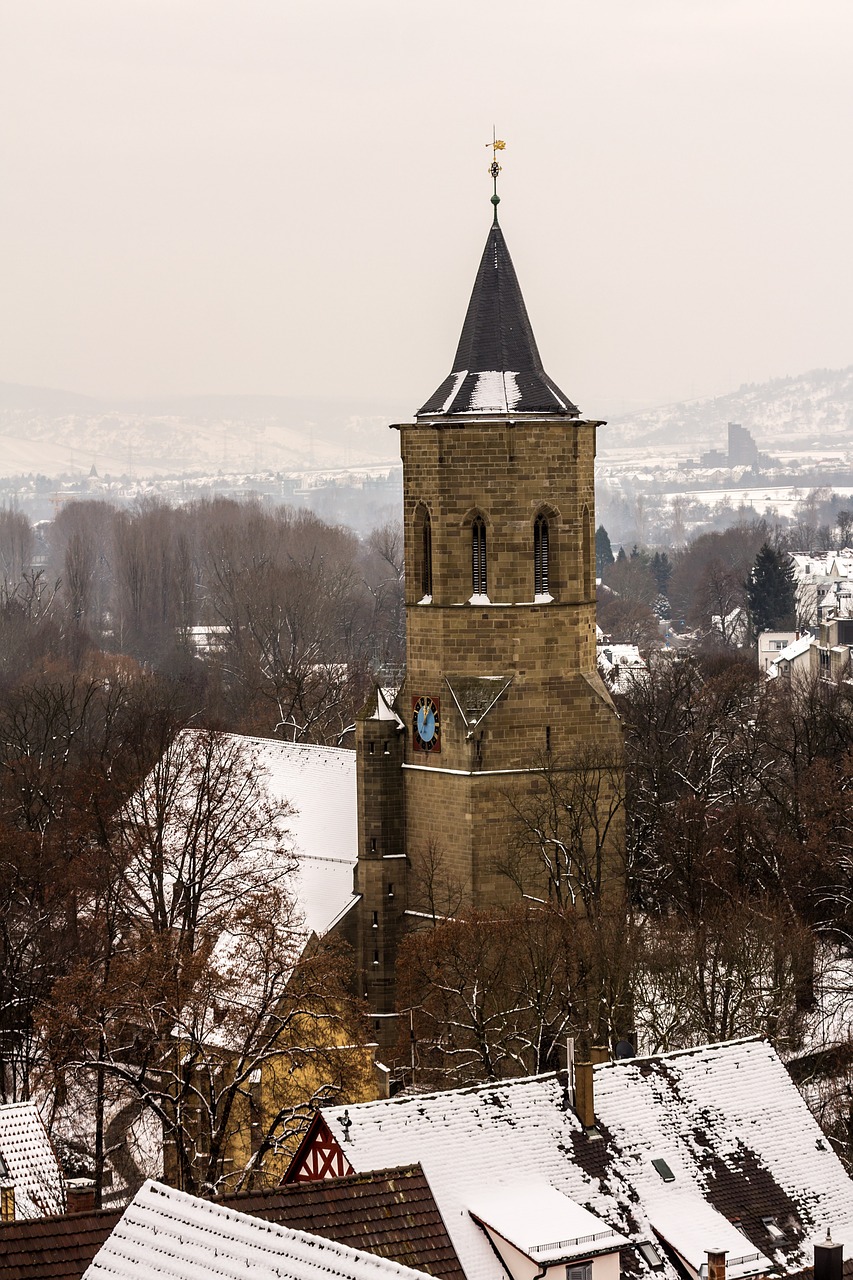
(495, 168)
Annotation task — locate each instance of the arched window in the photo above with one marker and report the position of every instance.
(540, 556)
(426, 556)
(479, 576)
(588, 566)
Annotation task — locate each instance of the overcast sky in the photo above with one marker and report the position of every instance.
(291, 196)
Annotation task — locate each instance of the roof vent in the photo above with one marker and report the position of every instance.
(346, 1124)
(664, 1170)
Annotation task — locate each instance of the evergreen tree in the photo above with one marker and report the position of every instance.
(661, 567)
(603, 550)
(770, 592)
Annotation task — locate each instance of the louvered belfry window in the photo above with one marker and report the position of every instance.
(479, 577)
(540, 556)
(426, 556)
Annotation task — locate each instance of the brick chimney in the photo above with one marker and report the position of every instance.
(80, 1195)
(828, 1260)
(717, 1264)
(584, 1097)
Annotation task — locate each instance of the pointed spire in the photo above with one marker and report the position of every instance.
(497, 369)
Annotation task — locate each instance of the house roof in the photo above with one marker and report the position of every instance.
(391, 1213)
(319, 785)
(30, 1161)
(168, 1233)
(736, 1137)
(497, 368)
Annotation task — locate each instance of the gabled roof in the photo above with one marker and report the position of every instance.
(168, 1233)
(30, 1161)
(497, 368)
(319, 785)
(727, 1120)
(391, 1214)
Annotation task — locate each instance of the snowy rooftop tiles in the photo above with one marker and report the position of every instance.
(30, 1162)
(727, 1120)
(170, 1234)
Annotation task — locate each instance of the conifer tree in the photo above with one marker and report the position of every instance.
(603, 550)
(770, 592)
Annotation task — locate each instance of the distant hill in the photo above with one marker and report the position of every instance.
(810, 410)
(51, 431)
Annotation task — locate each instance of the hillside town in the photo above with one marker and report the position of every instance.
(426, 833)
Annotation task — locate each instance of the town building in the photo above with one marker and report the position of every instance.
(651, 1166)
(31, 1183)
(501, 676)
(168, 1233)
(391, 1214)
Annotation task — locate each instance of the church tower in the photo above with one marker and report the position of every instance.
(501, 675)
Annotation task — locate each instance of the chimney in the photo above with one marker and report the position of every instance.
(717, 1264)
(584, 1098)
(828, 1260)
(80, 1195)
(7, 1202)
(599, 1053)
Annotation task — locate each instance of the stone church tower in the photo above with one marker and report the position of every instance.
(500, 614)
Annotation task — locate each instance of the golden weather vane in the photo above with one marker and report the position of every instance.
(494, 168)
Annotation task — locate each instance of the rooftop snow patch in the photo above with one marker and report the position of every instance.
(726, 1118)
(30, 1162)
(168, 1233)
(543, 1223)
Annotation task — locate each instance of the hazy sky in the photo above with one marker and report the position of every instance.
(291, 196)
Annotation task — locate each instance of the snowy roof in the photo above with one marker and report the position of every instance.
(168, 1233)
(497, 368)
(543, 1223)
(30, 1162)
(319, 786)
(731, 1127)
(688, 1226)
(790, 653)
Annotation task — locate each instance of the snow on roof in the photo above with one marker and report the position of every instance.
(543, 1223)
(319, 784)
(721, 1116)
(30, 1161)
(790, 653)
(385, 706)
(168, 1233)
(691, 1227)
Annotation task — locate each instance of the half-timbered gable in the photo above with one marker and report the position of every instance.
(318, 1156)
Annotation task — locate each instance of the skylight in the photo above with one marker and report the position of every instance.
(651, 1254)
(664, 1170)
(773, 1229)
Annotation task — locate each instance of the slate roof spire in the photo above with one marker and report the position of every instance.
(497, 368)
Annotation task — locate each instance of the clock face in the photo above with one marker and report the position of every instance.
(426, 724)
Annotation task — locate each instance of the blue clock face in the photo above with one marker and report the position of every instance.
(426, 724)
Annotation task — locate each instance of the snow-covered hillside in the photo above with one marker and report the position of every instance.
(810, 410)
(51, 432)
